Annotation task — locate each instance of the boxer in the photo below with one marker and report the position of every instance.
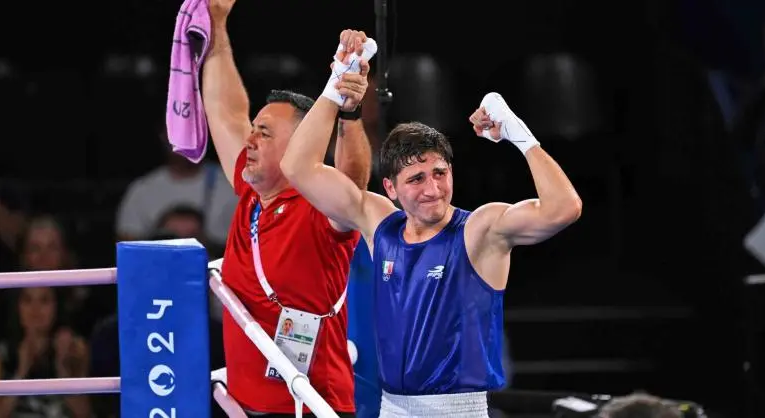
(440, 271)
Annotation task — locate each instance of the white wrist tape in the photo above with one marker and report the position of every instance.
(513, 129)
(338, 69)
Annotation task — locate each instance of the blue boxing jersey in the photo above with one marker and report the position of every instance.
(438, 324)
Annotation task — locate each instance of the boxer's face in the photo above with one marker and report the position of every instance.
(424, 188)
(271, 132)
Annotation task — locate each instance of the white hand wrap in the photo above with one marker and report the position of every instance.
(512, 127)
(338, 69)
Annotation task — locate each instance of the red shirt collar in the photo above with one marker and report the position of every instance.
(285, 194)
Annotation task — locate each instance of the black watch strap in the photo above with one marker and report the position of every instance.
(352, 115)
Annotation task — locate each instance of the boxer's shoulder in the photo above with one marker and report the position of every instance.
(481, 219)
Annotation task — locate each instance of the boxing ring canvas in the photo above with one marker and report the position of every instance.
(163, 334)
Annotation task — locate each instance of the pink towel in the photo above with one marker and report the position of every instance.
(185, 116)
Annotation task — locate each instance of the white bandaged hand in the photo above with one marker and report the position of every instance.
(512, 127)
(339, 68)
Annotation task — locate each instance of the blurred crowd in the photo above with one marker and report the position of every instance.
(72, 331)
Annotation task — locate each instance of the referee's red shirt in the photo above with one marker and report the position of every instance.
(306, 262)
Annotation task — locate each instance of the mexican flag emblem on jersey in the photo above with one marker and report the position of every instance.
(387, 268)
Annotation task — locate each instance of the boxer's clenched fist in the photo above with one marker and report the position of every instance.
(495, 121)
(482, 122)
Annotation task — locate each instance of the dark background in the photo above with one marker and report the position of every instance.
(644, 292)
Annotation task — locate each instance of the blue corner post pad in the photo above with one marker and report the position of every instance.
(361, 332)
(163, 329)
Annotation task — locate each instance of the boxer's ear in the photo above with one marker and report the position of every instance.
(389, 189)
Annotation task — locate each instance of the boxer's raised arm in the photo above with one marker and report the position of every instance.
(223, 93)
(531, 221)
(326, 188)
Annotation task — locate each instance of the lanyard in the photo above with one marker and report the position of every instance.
(255, 217)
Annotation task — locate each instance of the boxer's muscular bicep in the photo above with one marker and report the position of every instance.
(522, 223)
(494, 229)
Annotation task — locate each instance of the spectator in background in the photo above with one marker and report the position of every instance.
(41, 347)
(178, 182)
(182, 221)
(44, 245)
(639, 405)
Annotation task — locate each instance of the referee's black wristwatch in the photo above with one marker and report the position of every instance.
(354, 114)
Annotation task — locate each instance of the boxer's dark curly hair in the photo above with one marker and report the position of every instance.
(301, 103)
(407, 143)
